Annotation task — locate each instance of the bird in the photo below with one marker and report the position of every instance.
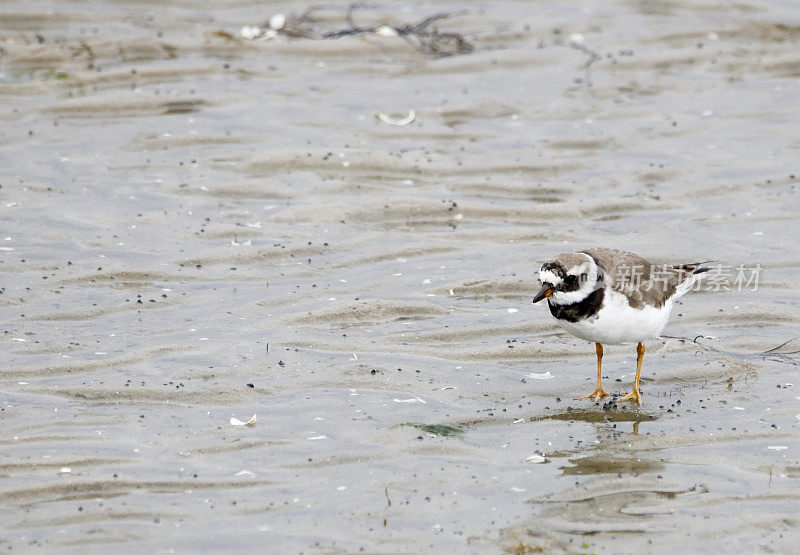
(613, 297)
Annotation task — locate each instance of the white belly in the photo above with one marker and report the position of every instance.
(617, 322)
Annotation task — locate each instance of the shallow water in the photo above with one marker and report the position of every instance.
(197, 227)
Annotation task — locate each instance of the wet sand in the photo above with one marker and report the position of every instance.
(196, 227)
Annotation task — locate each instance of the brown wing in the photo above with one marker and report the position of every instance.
(641, 281)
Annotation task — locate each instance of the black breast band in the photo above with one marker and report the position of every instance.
(586, 308)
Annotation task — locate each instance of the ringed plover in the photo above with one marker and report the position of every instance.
(613, 297)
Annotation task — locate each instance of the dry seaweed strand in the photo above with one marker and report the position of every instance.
(592, 58)
(424, 35)
(773, 354)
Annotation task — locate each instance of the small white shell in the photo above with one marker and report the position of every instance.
(576, 38)
(386, 31)
(277, 21)
(250, 423)
(386, 118)
(546, 376)
(251, 32)
(536, 459)
(412, 400)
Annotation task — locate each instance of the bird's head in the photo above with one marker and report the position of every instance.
(568, 278)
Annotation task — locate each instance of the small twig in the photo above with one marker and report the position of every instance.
(418, 27)
(23, 37)
(782, 345)
(349, 32)
(593, 56)
(423, 35)
(768, 354)
(352, 8)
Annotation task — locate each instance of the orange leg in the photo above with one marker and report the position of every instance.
(598, 393)
(635, 394)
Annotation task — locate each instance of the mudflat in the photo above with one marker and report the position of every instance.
(334, 223)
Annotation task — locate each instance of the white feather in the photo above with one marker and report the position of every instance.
(618, 322)
(549, 277)
(686, 286)
(561, 298)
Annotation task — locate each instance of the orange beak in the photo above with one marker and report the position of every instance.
(543, 293)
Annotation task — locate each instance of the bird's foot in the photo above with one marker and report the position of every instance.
(634, 395)
(597, 394)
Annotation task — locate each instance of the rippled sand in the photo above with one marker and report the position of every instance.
(196, 227)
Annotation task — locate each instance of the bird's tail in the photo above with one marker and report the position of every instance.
(695, 267)
(690, 273)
